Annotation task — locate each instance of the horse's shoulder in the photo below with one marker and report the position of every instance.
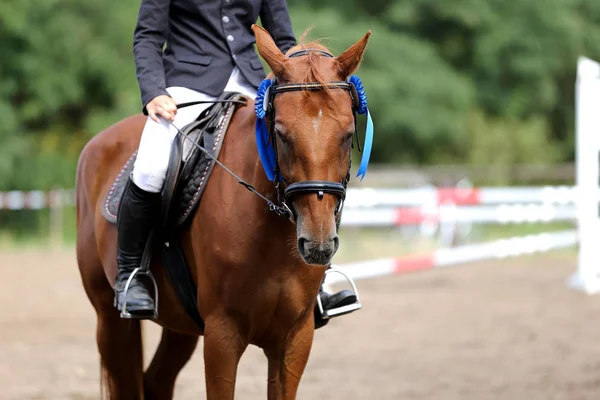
(244, 115)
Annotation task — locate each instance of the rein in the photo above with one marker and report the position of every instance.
(194, 103)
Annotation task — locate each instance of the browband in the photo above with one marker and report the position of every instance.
(304, 52)
(291, 87)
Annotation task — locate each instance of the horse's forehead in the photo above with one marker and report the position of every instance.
(324, 66)
(311, 113)
(314, 103)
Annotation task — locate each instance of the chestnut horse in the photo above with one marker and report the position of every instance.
(254, 284)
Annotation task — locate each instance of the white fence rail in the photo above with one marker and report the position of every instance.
(371, 197)
(482, 214)
(36, 199)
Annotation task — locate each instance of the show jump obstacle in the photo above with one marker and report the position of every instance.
(585, 198)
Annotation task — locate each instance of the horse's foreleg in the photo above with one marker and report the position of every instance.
(174, 351)
(223, 348)
(287, 363)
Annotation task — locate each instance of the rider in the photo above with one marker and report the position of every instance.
(209, 50)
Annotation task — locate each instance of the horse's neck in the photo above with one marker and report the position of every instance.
(250, 210)
(268, 221)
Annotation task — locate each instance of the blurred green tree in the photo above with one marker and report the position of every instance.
(67, 73)
(445, 80)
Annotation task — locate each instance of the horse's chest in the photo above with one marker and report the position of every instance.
(280, 298)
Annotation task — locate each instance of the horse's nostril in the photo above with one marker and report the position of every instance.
(302, 245)
(336, 243)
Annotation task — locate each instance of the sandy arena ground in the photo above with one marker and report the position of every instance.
(498, 330)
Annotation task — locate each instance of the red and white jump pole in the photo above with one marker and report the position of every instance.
(443, 258)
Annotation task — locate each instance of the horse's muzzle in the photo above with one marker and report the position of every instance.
(318, 253)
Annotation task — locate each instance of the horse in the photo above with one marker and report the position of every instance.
(257, 274)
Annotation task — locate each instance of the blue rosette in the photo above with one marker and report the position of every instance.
(363, 109)
(265, 148)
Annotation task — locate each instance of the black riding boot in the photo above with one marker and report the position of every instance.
(331, 302)
(136, 216)
(336, 300)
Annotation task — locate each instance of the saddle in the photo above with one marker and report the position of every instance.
(188, 172)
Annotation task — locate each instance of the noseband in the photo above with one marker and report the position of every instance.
(318, 187)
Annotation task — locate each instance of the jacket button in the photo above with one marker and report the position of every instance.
(225, 19)
(230, 38)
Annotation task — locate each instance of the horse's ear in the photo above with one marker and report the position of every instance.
(349, 60)
(269, 51)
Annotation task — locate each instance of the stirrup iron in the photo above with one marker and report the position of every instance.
(336, 312)
(144, 272)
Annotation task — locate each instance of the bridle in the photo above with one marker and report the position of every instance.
(318, 187)
(286, 195)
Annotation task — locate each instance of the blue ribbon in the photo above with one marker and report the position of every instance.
(360, 91)
(265, 148)
(262, 98)
(266, 151)
(364, 162)
(362, 109)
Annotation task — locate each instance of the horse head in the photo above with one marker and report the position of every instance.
(309, 109)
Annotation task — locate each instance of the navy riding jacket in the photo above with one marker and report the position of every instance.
(204, 40)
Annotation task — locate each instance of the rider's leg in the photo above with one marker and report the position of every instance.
(237, 83)
(139, 205)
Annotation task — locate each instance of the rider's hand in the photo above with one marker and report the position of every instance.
(163, 106)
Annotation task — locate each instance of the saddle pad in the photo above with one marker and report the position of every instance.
(190, 188)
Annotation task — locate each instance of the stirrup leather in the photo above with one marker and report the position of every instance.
(336, 312)
(141, 271)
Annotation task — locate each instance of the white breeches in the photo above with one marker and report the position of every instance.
(150, 167)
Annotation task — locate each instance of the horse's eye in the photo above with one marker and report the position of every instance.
(347, 137)
(281, 136)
